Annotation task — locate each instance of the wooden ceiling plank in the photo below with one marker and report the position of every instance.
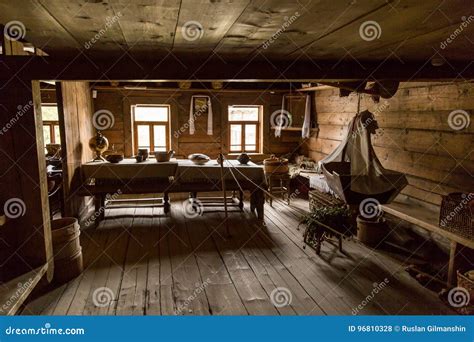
(42, 30)
(148, 26)
(202, 24)
(93, 24)
(410, 19)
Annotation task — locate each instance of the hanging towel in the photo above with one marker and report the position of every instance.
(278, 122)
(192, 115)
(307, 118)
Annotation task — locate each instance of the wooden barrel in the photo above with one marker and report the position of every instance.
(275, 165)
(371, 232)
(67, 249)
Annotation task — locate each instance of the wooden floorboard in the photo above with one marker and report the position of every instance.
(149, 263)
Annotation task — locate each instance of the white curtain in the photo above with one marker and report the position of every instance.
(307, 118)
(193, 115)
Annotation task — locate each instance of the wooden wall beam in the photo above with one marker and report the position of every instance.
(172, 69)
(27, 232)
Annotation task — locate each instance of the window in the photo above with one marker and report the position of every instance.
(244, 128)
(151, 127)
(50, 124)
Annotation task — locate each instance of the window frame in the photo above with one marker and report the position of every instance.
(242, 124)
(51, 124)
(151, 125)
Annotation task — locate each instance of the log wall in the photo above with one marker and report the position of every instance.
(415, 136)
(118, 101)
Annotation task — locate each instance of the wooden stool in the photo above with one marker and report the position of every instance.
(278, 184)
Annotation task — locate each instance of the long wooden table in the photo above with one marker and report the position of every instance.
(100, 179)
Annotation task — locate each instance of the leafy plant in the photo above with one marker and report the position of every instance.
(324, 222)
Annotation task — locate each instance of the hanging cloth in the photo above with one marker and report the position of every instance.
(279, 121)
(368, 174)
(193, 115)
(307, 118)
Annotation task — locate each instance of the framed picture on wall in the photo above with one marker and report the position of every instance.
(200, 104)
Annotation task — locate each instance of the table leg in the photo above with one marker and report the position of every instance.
(99, 201)
(452, 262)
(166, 202)
(241, 200)
(257, 202)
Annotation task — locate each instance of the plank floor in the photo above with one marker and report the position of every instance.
(141, 262)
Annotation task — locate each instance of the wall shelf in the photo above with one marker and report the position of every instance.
(14, 292)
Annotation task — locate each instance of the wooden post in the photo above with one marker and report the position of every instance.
(27, 230)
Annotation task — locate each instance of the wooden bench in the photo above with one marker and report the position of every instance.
(429, 220)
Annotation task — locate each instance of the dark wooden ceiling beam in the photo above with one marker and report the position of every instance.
(171, 69)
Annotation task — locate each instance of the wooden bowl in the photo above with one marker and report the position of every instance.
(114, 158)
(199, 158)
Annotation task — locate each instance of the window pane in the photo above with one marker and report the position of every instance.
(57, 135)
(235, 137)
(243, 113)
(155, 114)
(49, 113)
(143, 135)
(159, 135)
(250, 137)
(46, 135)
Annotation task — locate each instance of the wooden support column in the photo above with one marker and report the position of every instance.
(75, 120)
(25, 236)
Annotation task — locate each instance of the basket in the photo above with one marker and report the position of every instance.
(319, 199)
(456, 214)
(468, 284)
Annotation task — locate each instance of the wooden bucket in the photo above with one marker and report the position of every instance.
(276, 166)
(67, 249)
(371, 232)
